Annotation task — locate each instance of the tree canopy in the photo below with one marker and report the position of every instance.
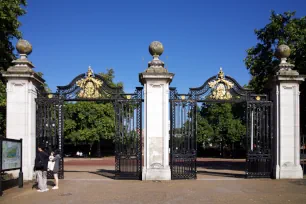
(9, 30)
(260, 61)
(221, 124)
(89, 122)
(9, 25)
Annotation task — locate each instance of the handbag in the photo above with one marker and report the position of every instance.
(51, 165)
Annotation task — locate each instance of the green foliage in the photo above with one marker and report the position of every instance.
(109, 78)
(217, 123)
(9, 25)
(282, 29)
(88, 122)
(46, 86)
(204, 130)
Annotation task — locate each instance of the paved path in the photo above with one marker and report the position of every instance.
(92, 182)
(81, 191)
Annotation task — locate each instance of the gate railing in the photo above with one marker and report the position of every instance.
(128, 128)
(259, 133)
(259, 159)
(183, 142)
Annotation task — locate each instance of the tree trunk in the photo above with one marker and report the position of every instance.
(90, 150)
(99, 149)
(222, 151)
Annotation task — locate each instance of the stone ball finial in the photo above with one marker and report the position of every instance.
(24, 47)
(156, 48)
(282, 51)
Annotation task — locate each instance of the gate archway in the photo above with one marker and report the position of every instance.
(220, 89)
(90, 87)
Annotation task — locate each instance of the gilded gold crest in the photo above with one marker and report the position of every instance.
(89, 86)
(220, 87)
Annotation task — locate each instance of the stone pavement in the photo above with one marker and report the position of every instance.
(81, 191)
(87, 182)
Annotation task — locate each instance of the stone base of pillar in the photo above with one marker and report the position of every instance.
(291, 172)
(156, 174)
(276, 172)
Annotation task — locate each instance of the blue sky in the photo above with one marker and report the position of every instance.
(198, 36)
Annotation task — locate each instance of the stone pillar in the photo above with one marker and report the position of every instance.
(22, 85)
(156, 80)
(286, 98)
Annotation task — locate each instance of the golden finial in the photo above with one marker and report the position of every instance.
(89, 72)
(220, 74)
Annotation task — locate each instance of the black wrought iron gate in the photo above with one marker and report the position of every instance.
(93, 88)
(183, 142)
(259, 139)
(220, 89)
(128, 140)
(49, 126)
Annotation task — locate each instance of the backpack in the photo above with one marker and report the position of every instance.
(39, 164)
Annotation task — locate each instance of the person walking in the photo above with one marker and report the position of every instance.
(56, 161)
(40, 168)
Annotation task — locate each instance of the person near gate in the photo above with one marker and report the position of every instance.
(56, 159)
(40, 168)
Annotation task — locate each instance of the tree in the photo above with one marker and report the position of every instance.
(260, 60)
(221, 126)
(9, 25)
(204, 131)
(89, 122)
(109, 78)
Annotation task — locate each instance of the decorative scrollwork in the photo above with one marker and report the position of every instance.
(220, 87)
(89, 86)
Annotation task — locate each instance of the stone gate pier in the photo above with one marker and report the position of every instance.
(285, 95)
(21, 87)
(156, 80)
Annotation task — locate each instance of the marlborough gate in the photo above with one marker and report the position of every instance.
(93, 88)
(183, 123)
(266, 146)
(220, 89)
(264, 150)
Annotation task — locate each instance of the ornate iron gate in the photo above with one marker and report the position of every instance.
(49, 126)
(183, 139)
(220, 89)
(128, 120)
(128, 141)
(259, 139)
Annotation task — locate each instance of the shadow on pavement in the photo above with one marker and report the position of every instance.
(231, 175)
(101, 172)
(106, 173)
(222, 165)
(221, 168)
